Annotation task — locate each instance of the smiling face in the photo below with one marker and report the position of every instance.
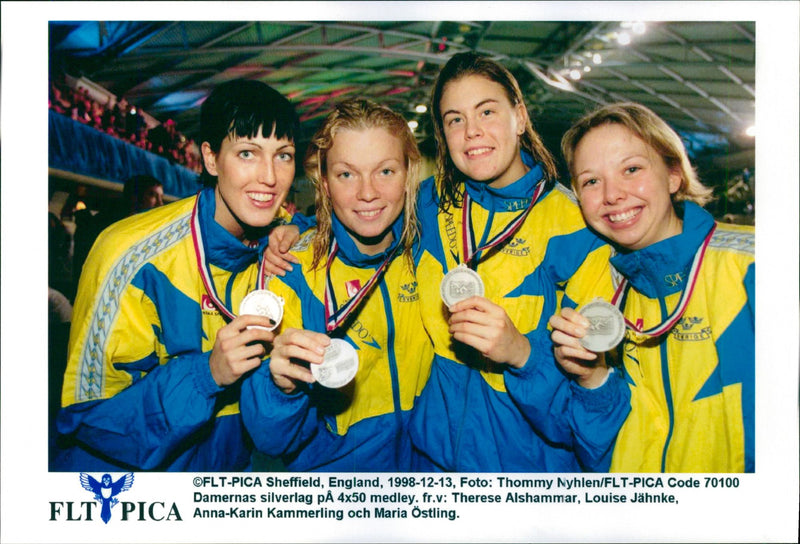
(625, 187)
(253, 178)
(366, 179)
(482, 129)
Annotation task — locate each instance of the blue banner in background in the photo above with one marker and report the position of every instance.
(81, 149)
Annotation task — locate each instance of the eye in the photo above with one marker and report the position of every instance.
(246, 154)
(487, 112)
(286, 156)
(387, 172)
(450, 121)
(588, 182)
(632, 169)
(344, 175)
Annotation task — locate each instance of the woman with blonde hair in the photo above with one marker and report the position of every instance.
(351, 356)
(686, 291)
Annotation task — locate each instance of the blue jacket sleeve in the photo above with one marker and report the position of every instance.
(148, 421)
(303, 222)
(585, 420)
(279, 424)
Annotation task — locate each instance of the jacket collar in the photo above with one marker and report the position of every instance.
(661, 269)
(349, 252)
(222, 248)
(513, 197)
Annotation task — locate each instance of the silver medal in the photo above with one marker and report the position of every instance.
(339, 366)
(264, 303)
(459, 284)
(606, 326)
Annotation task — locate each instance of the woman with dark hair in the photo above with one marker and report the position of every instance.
(157, 349)
(500, 239)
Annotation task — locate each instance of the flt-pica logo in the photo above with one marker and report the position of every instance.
(105, 496)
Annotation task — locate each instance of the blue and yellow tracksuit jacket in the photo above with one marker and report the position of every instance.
(692, 389)
(364, 425)
(477, 416)
(138, 391)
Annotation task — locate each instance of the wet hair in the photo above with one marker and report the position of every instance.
(360, 114)
(243, 109)
(651, 129)
(449, 178)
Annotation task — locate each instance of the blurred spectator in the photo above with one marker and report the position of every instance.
(59, 314)
(58, 325)
(60, 255)
(140, 193)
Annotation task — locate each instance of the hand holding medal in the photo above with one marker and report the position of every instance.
(339, 365)
(579, 341)
(606, 326)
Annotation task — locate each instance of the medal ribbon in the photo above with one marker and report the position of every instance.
(468, 236)
(673, 318)
(205, 269)
(333, 316)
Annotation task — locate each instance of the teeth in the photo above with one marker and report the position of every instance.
(481, 151)
(371, 213)
(261, 197)
(624, 216)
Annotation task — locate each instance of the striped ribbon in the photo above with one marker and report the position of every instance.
(673, 318)
(333, 316)
(205, 269)
(468, 236)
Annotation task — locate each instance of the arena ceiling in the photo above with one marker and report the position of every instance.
(700, 76)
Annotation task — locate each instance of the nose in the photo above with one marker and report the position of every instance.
(472, 128)
(366, 189)
(267, 173)
(613, 190)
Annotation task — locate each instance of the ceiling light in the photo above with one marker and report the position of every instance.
(575, 74)
(623, 38)
(639, 27)
(597, 58)
(587, 69)
(751, 131)
(413, 125)
(421, 108)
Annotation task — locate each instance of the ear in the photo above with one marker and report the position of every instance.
(325, 187)
(209, 158)
(521, 114)
(675, 180)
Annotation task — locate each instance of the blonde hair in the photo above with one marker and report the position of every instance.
(360, 114)
(651, 129)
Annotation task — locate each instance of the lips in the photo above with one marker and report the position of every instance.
(368, 214)
(264, 198)
(478, 152)
(621, 217)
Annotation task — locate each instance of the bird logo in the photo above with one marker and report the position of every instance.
(105, 491)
